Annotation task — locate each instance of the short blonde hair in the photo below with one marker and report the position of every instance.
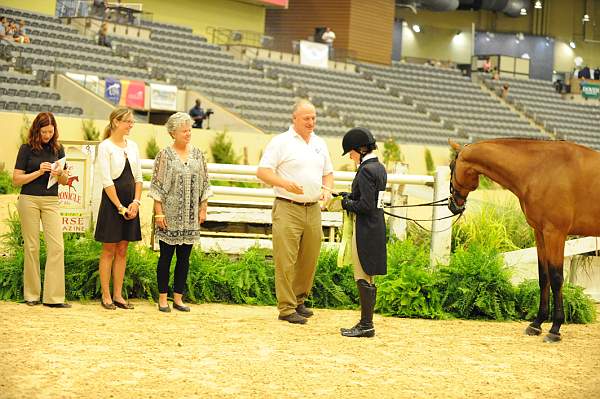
(177, 120)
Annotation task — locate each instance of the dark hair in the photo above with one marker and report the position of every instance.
(34, 139)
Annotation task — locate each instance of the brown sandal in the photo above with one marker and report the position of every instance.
(108, 306)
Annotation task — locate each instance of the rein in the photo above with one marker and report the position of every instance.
(416, 221)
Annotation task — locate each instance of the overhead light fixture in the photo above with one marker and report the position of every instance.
(572, 44)
(416, 28)
(523, 11)
(538, 4)
(586, 18)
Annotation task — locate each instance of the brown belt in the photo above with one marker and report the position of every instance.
(296, 202)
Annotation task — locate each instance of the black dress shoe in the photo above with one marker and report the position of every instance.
(123, 305)
(58, 305)
(32, 303)
(293, 318)
(181, 308)
(303, 311)
(165, 309)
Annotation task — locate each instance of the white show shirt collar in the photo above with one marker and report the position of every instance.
(368, 156)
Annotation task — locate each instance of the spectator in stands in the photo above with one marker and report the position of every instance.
(22, 32)
(3, 24)
(597, 73)
(12, 32)
(99, 8)
(103, 39)
(585, 73)
(495, 74)
(38, 161)
(197, 114)
(297, 164)
(504, 93)
(118, 223)
(180, 188)
(369, 238)
(328, 38)
(487, 65)
(559, 85)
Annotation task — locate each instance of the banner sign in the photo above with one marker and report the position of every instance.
(163, 97)
(135, 94)
(590, 90)
(112, 90)
(77, 77)
(74, 198)
(92, 83)
(314, 54)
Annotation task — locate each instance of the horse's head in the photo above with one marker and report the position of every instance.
(463, 180)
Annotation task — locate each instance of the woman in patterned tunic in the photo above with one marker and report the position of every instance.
(180, 189)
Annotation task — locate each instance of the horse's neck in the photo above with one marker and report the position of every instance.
(501, 162)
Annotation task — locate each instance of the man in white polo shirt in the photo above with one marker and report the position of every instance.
(297, 164)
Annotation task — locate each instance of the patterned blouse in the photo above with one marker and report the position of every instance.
(181, 187)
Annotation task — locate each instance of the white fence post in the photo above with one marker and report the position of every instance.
(397, 225)
(441, 230)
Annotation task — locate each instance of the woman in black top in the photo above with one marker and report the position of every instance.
(368, 242)
(36, 162)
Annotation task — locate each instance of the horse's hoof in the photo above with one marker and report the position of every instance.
(551, 338)
(531, 330)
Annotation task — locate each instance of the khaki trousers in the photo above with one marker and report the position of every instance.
(297, 235)
(32, 209)
(359, 273)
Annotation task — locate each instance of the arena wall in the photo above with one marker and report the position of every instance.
(43, 6)
(200, 15)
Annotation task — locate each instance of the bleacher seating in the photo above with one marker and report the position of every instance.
(57, 47)
(359, 101)
(411, 103)
(454, 99)
(567, 119)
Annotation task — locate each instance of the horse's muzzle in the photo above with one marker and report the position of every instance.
(454, 208)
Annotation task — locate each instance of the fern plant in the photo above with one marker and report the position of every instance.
(90, 131)
(222, 149)
(578, 307)
(476, 284)
(152, 148)
(410, 287)
(24, 130)
(334, 286)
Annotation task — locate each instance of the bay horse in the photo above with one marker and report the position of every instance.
(558, 187)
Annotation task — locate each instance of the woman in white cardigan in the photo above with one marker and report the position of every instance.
(118, 220)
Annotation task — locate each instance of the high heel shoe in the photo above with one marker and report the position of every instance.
(165, 309)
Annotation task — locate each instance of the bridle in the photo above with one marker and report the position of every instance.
(455, 194)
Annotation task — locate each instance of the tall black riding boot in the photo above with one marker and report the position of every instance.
(367, 294)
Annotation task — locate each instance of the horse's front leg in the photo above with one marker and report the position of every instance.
(558, 316)
(535, 328)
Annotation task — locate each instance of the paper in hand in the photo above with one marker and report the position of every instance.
(57, 165)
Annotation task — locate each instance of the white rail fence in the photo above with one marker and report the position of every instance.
(248, 210)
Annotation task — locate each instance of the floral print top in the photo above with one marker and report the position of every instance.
(181, 187)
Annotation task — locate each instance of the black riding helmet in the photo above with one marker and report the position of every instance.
(357, 137)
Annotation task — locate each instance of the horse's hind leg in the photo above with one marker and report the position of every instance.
(535, 328)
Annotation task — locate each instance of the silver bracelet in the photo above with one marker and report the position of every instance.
(137, 202)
